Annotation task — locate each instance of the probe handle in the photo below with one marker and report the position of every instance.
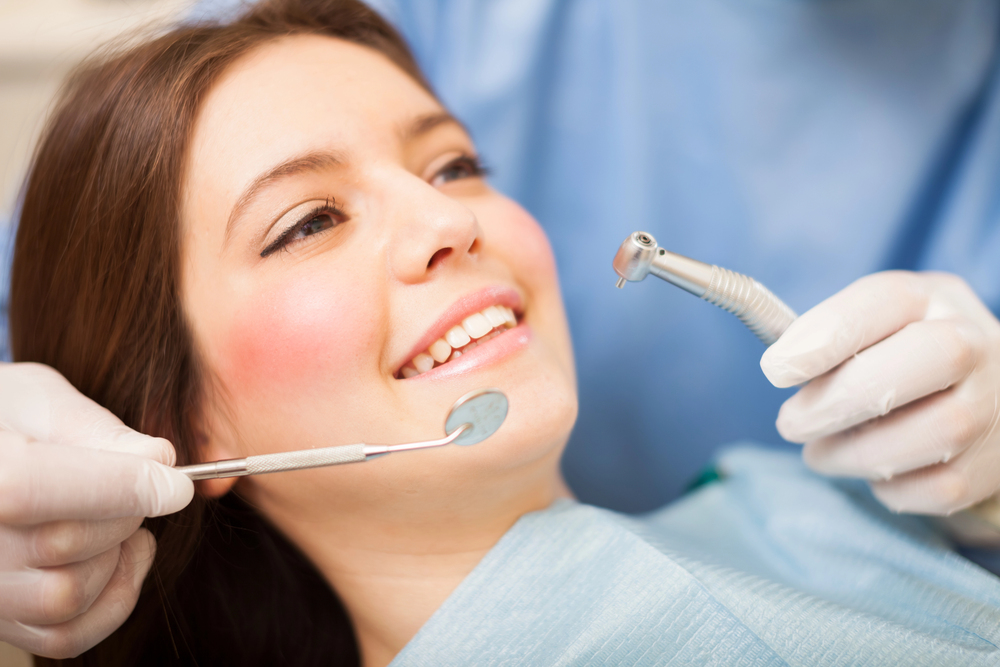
(265, 463)
(312, 458)
(306, 458)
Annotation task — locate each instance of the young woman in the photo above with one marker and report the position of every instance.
(270, 236)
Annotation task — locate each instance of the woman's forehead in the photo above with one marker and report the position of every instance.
(293, 96)
(307, 92)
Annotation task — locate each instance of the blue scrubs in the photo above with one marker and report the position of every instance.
(773, 565)
(803, 142)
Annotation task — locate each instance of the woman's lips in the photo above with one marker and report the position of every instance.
(491, 308)
(484, 354)
(462, 338)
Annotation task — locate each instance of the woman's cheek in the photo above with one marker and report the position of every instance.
(523, 238)
(302, 334)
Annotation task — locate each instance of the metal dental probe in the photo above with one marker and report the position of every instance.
(473, 418)
(763, 313)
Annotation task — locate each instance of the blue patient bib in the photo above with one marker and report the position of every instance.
(772, 565)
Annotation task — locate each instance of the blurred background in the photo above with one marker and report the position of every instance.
(40, 42)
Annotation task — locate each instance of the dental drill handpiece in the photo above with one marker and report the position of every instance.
(764, 314)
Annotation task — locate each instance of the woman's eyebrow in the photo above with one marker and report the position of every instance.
(424, 124)
(312, 161)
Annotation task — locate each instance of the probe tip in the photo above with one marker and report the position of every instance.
(621, 283)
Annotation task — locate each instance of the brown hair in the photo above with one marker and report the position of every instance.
(94, 294)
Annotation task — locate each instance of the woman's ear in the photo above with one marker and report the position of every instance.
(213, 448)
(215, 488)
(212, 442)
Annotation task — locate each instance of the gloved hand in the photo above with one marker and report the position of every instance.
(904, 389)
(75, 484)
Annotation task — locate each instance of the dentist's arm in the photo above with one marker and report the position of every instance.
(75, 485)
(903, 373)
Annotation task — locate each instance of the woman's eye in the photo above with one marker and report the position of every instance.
(316, 225)
(463, 167)
(315, 222)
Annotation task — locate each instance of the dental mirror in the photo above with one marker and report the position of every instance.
(473, 418)
(484, 410)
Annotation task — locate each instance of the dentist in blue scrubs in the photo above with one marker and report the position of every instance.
(846, 153)
(808, 144)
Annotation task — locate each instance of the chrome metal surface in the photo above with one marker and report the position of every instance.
(379, 450)
(762, 312)
(688, 274)
(305, 458)
(484, 409)
(635, 256)
(215, 469)
(473, 418)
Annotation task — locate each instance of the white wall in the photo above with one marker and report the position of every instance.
(40, 41)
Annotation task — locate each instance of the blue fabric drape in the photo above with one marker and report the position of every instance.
(773, 565)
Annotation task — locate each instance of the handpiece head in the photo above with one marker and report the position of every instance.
(483, 409)
(634, 257)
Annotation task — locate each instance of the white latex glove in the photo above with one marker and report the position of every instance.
(75, 484)
(904, 382)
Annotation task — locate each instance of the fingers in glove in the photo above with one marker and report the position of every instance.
(947, 487)
(62, 542)
(860, 315)
(41, 483)
(104, 616)
(931, 430)
(922, 358)
(48, 596)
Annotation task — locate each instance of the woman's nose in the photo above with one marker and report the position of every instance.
(432, 230)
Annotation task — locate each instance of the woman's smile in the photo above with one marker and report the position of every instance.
(469, 324)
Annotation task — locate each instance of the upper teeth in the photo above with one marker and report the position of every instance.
(485, 324)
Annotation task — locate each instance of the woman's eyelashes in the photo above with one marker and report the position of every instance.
(318, 220)
(465, 166)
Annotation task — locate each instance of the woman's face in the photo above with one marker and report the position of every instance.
(335, 230)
